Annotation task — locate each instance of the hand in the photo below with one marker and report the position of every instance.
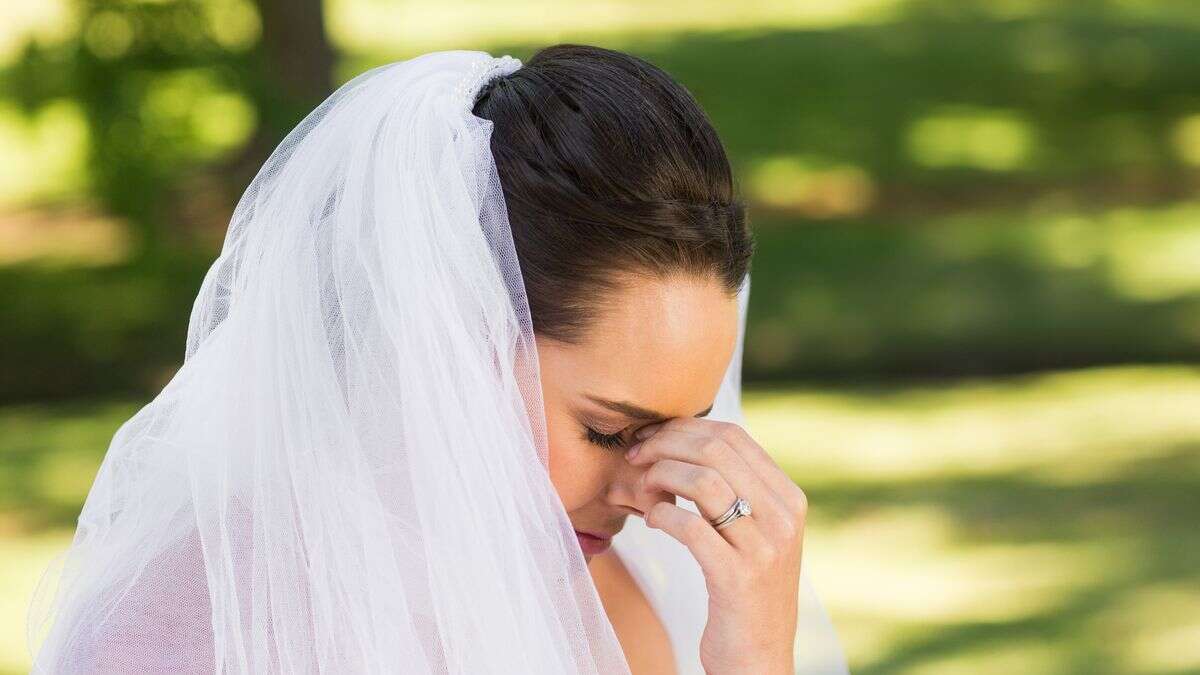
(752, 566)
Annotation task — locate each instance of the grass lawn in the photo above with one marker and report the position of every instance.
(1041, 524)
(1036, 524)
(938, 188)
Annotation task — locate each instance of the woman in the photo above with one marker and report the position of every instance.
(449, 302)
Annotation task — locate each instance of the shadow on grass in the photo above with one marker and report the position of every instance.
(1148, 508)
(49, 455)
(1134, 519)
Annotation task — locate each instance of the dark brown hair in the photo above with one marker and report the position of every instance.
(608, 166)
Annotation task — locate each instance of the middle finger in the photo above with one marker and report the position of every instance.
(711, 493)
(710, 451)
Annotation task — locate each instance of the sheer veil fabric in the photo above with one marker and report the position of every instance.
(348, 474)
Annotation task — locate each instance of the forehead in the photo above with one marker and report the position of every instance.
(660, 343)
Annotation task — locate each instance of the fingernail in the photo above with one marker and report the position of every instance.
(633, 450)
(647, 431)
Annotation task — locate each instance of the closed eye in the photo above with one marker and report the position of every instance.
(604, 440)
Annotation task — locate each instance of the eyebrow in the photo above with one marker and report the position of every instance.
(636, 411)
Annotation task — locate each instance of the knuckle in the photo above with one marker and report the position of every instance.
(673, 423)
(730, 432)
(652, 476)
(713, 449)
(656, 514)
(708, 481)
(648, 445)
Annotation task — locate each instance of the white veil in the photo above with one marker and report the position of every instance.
(348, 474)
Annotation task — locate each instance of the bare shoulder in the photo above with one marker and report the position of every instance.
(642, 635)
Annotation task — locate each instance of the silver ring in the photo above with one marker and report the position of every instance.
(740, 508)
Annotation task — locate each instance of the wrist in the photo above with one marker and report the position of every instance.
(778, 664)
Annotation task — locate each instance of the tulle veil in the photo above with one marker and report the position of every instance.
(348, 472)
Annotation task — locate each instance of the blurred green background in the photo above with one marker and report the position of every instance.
(975, 325)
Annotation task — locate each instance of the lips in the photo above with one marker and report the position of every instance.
(592, 544)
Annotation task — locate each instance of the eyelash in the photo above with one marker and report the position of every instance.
(604, 440)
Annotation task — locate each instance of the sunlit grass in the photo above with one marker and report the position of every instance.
(24, 558)
(1023, 656)
(1023, 524)
(1027, 524)
(1040, 423)
(1162, 622)
(49, 455)
(1034, 524)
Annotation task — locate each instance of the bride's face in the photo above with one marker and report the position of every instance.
(660, 351)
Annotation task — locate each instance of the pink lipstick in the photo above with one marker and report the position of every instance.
(591, 544)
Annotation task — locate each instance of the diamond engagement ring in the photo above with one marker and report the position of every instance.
(740, 508)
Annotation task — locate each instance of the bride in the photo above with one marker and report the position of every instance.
(461, 394)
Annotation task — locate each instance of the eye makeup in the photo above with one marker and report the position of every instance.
(597, 426)
(604, 440)
(617, 439)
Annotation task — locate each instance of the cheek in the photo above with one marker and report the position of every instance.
(578, 475)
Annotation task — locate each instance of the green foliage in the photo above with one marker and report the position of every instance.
(79, 331)
(979, 292)
(943, 191)
(938, 188)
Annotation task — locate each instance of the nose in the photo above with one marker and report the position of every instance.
(627, 491)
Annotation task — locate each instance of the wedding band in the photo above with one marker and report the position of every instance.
(740, 508)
